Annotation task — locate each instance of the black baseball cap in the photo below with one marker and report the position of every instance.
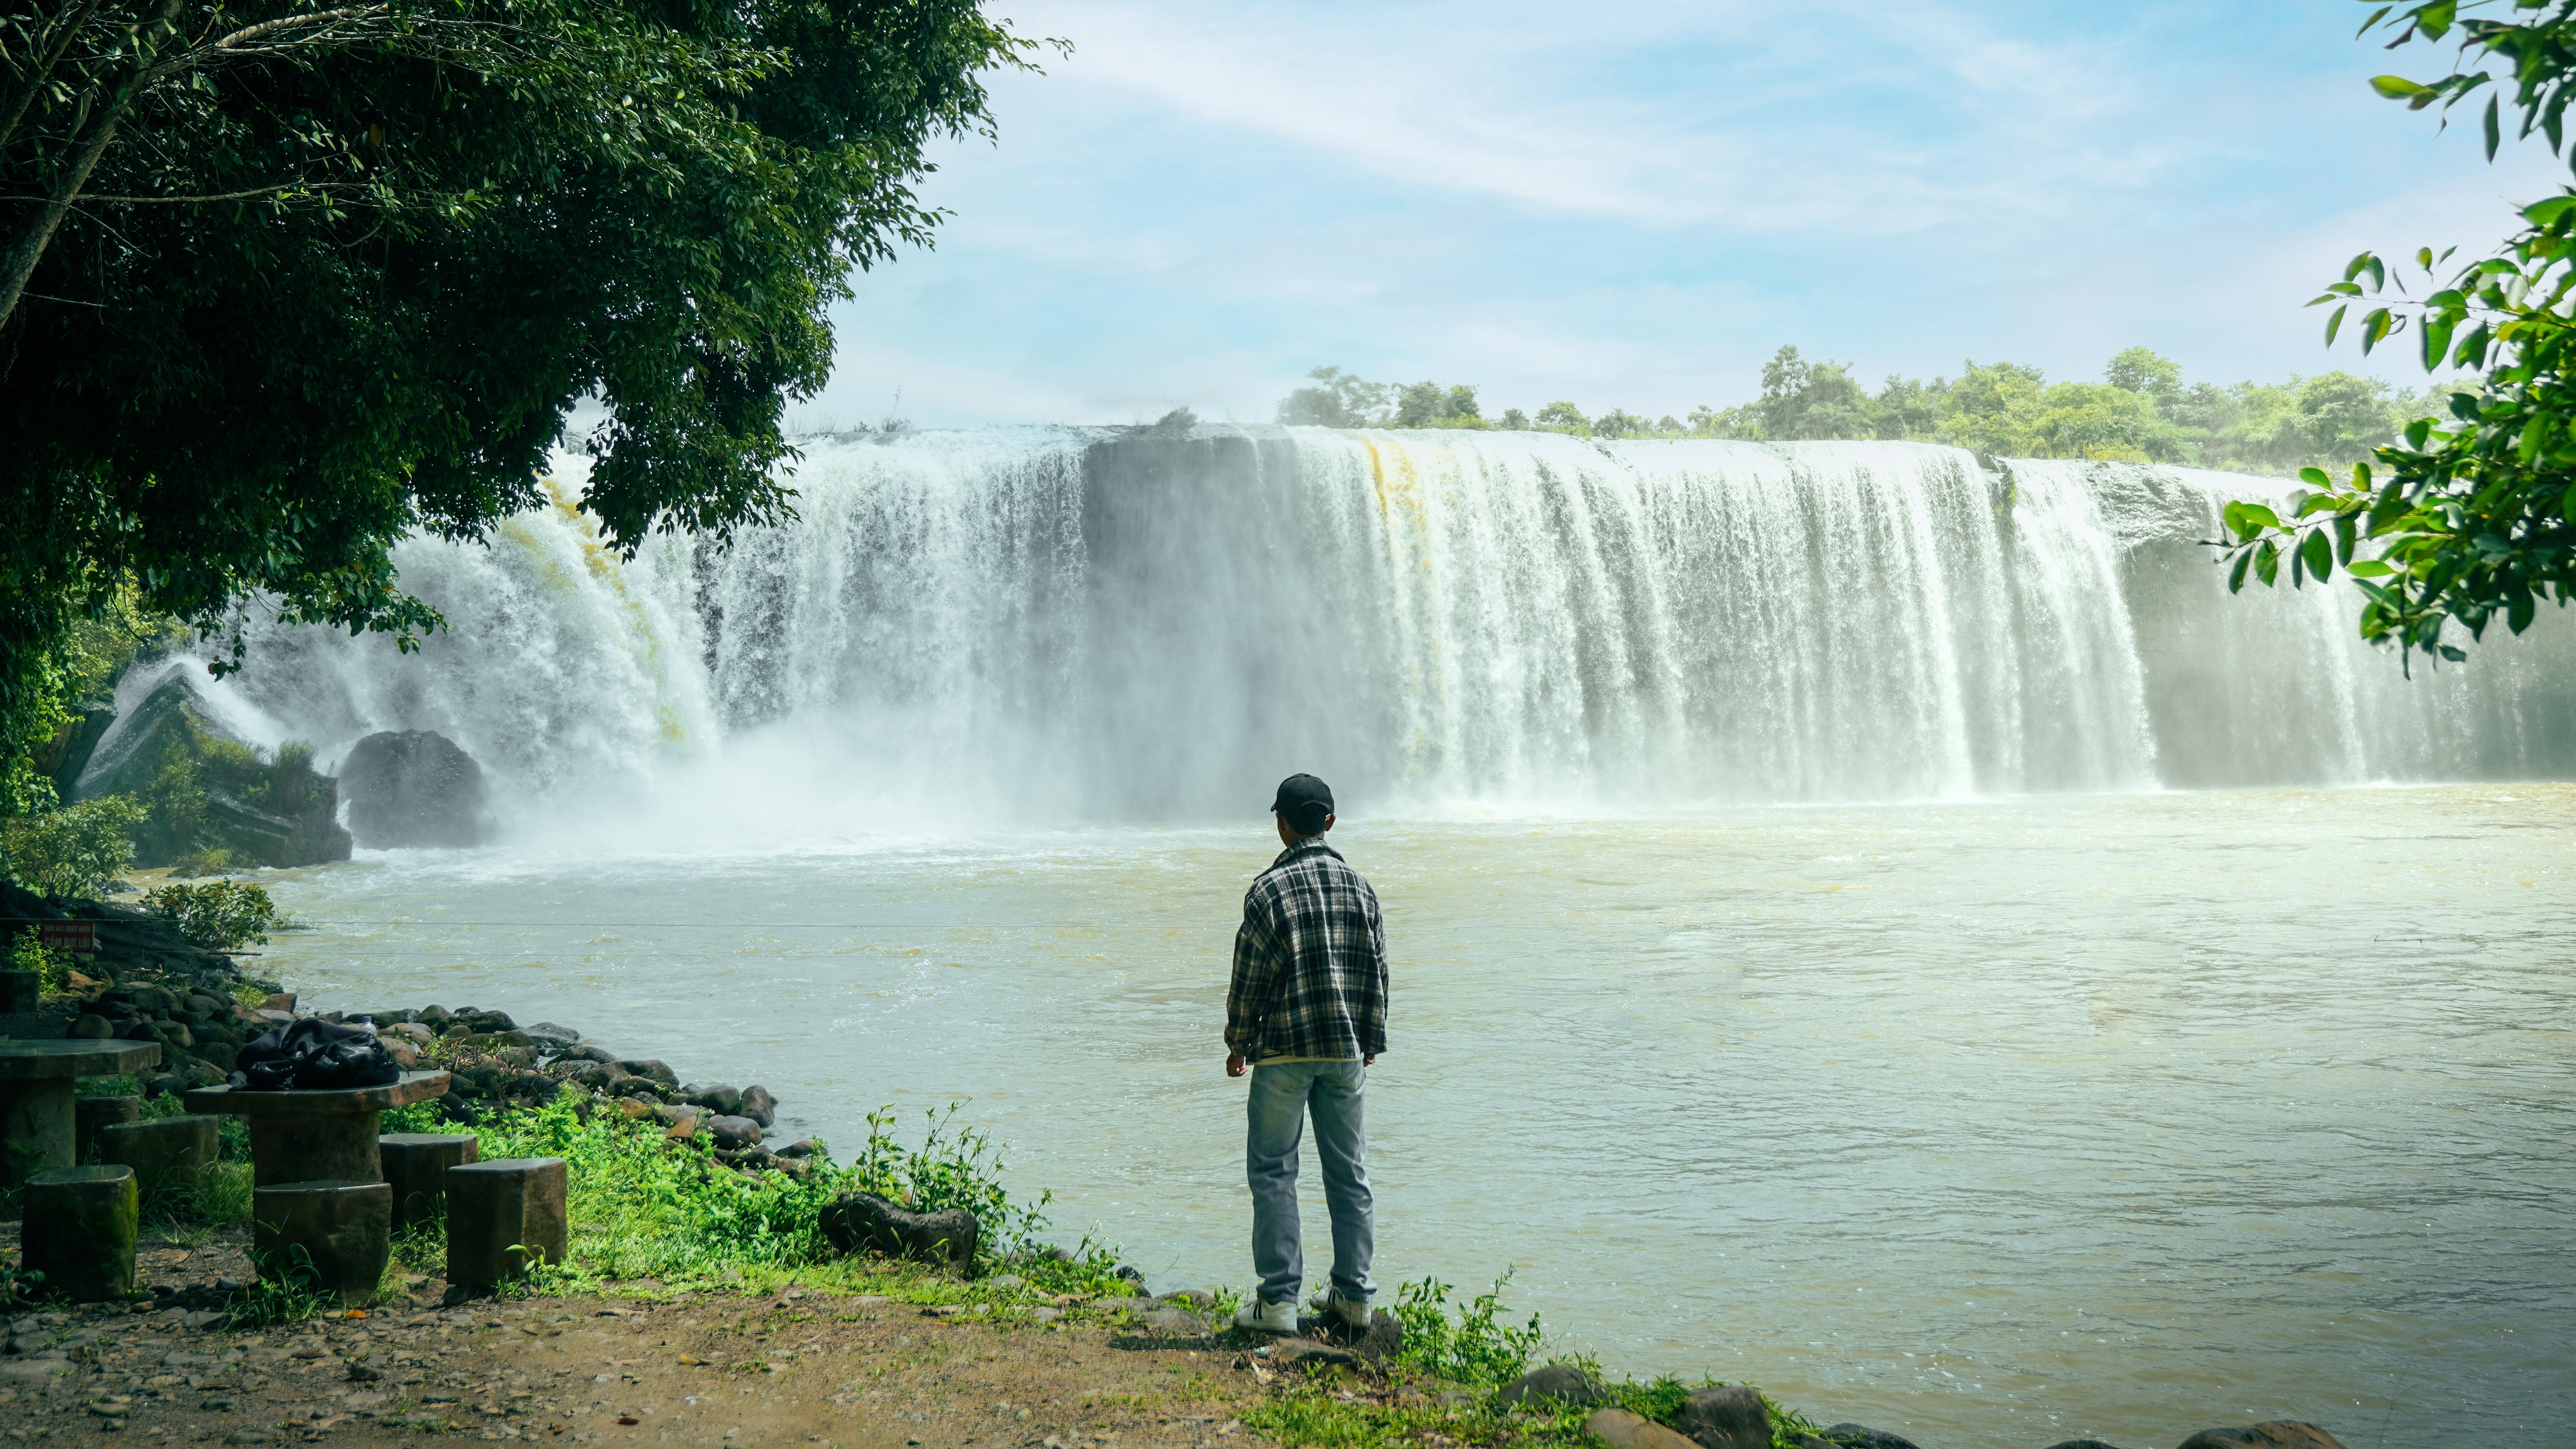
(1303, 801)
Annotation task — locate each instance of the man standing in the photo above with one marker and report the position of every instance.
(1306, 1015)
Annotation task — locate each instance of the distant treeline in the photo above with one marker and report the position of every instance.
(2141, 411)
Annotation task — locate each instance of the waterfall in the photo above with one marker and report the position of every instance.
(1069, 624)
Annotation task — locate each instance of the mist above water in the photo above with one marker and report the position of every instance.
(1035, 626)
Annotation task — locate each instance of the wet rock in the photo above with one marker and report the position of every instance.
(1861, 1436)
(414, 788)
(2082, 1444)
(759, 1106)
(722, 1100)
(654, 1070)
(434, 1017)
(735, 1131)
(601, 1055)
(1730, 1416)
(1623, 1430)
(799, 1149)
(2270, 1434)
(1554, 1381)
(857, 1221)
(550, 1035)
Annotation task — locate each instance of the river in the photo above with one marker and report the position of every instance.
(1991, 1122)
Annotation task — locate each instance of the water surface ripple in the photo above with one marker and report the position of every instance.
(1994, 1124)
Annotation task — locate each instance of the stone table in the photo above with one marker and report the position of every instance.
(317, 1134)
(36, 1113)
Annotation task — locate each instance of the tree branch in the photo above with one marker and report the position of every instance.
(98, 129)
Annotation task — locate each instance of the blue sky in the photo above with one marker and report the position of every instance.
(1633, 204)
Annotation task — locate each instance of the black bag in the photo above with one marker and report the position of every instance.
(310, 1053)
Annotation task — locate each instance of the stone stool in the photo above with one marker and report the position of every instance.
(334, 1235)
(503, 1215)
(79, 1231)
(416, 1165)
(89, 1114)
(171, 1156)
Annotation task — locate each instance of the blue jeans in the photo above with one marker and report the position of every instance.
(1282, 1095)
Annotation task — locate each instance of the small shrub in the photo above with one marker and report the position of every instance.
(28, 952)
(222, 915)
(1471, 1348)
(73, 851)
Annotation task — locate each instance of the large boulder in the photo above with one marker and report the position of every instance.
(211, 791)
(1727, 1416)
(2270, 1434)
(863, 1221)
(414, 788)
(1554, 1381)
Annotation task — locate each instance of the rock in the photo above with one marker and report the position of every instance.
(414, 788)
(1731, 1416)
(33, 1370)
(335, 1235)
(285, 1001)
(406, 1055)
(601, 1055)
(1623, 1430)
(1175, 1322)
(385, 1020)
(89, 1026)
(2270, 1434)
(434, 1016)
(1554, 1381)
(1309, 1355)
(410, 1031)
(295, 823)
(799, 1149)
(735, 1131)
(651, 1070)
(862, 1220)
(759, 1106)
(2082, 1444)
(1861, 1436)
(551, 1036)
(79, 1231)
(501, 1216)
(722, 1100)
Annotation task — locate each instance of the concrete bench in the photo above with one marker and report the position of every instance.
(79, 1231)
(335, 1236)
(171, 1157)
(503, 1216)
(416, 1165)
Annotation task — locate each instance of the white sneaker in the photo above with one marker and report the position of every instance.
(1353, 1312)
(1260, 1317)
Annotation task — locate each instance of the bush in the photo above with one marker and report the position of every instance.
(73, 851)
(1470, 1349)
(29, 953)
(221, 915)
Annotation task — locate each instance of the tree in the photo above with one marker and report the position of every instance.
(2476, 518)
(1336, 400)
(301, 279)
(1514, 419)
(1563, 417)
(2141, 370)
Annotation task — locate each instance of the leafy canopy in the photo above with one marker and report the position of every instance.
(299, 281)
(2474, 519)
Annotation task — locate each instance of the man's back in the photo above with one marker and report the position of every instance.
(1309, 962)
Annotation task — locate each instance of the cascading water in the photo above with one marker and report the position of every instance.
(1057, 625)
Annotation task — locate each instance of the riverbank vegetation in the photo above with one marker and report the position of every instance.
(2470, 517)
(2142, 411)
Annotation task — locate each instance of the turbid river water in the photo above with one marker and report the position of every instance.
(1992, 1123)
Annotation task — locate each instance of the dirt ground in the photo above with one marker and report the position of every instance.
(790, 1368)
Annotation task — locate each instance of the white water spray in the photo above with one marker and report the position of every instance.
(1059, 625)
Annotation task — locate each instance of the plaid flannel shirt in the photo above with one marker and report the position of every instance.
(1309, 962)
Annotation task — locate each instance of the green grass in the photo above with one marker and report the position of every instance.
(658, 1216)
